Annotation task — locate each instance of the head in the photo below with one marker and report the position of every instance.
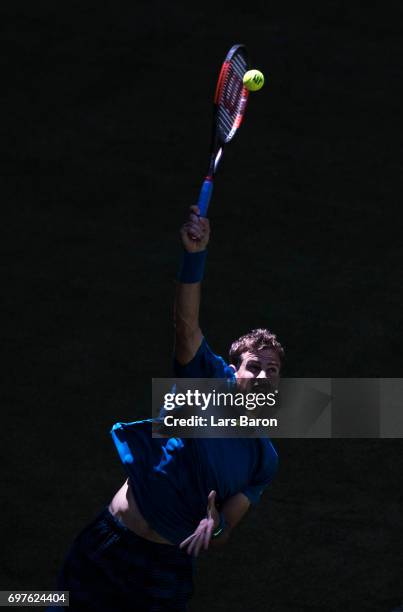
(256, 359)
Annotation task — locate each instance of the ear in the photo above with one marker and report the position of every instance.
(231, 365)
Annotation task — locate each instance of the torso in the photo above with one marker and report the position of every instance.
(124, 507)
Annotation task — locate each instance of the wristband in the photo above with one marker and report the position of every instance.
(220, 527)
(192, 268)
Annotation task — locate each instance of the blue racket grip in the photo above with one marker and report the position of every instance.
(205, 196)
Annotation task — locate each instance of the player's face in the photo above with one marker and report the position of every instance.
(258, 368)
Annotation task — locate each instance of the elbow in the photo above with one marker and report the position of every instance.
(185, 330)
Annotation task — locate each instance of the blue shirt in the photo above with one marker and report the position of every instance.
(171, 478)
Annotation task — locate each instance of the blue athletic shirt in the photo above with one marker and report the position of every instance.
(171, 478)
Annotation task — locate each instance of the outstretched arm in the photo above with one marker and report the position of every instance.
(188, 336)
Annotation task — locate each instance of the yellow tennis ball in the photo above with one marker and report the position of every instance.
(253, 80)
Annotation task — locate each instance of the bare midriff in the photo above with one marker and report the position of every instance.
(124, 507)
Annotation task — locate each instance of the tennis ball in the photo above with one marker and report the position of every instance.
(253, 80)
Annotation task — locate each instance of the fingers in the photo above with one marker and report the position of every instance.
(211, 498)
(199, 539)
(198, 542)
(189, 542)
(194, 541)
(196, 230)
(208, 533)
(185, 542)
(194, 210)
(194, 217)
(195, 545)
(211, 503)
(203, 224)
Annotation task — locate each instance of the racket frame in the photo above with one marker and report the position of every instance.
(218, 140)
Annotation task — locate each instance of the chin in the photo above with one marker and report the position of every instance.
(261, 386)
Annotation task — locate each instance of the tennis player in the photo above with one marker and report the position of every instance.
(181, 495)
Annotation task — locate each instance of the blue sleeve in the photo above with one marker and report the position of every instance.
(205, 364)
(265, 472)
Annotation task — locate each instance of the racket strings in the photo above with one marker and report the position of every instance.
(233, 85)
(231, 96)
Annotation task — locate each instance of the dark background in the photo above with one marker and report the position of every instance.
(105, 134)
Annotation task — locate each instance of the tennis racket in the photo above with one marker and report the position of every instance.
(230, 101)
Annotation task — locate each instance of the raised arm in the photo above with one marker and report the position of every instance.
(188, 336)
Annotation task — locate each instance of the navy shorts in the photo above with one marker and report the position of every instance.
(110, 568)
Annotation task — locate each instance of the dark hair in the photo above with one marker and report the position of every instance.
(255, 340)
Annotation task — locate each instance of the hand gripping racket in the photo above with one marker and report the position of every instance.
(229, 108)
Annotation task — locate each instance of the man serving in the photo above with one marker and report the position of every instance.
(181, 495)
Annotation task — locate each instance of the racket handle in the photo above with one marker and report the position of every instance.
(205, 196)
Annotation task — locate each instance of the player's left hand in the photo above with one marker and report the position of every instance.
(201, 537)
